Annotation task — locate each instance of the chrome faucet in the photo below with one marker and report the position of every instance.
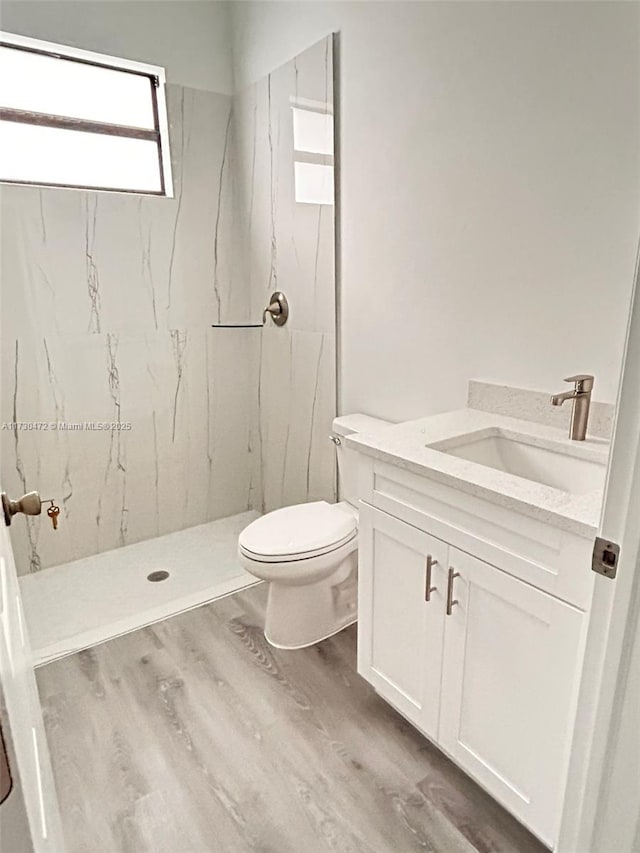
(581, 396)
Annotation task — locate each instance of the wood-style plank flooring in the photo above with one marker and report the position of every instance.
(196, 736)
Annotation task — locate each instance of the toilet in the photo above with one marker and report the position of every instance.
(309, 555)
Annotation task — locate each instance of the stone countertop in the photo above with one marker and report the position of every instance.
(408, 445)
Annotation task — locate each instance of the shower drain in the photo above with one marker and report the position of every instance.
(154, 577)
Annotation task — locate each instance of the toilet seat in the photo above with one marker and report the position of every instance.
(298, 532)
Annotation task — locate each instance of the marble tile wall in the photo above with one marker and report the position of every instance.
(289, 246)
(107, 301)
(107, 305)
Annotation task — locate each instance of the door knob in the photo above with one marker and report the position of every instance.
(29, 504)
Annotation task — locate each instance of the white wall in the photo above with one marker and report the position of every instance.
(490, 184)
(188, 37)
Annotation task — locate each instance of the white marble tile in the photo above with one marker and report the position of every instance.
(109, 314)
(44, 262)
(289, 247)
(232, 458)
(536, 406)
(296, 377)
(108, 319)
(80, 604)
(184, 461)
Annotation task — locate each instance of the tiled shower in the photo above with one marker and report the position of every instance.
(144, 314)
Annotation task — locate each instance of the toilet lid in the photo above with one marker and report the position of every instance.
(312, 528)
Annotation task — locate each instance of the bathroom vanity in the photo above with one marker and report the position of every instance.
(475, 581)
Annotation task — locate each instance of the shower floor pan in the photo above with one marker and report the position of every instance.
(80, 604)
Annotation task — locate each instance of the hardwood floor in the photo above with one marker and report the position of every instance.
(195, 736)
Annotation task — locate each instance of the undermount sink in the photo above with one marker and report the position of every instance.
(549, 465)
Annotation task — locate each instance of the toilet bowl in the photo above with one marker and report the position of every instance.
(308, 553)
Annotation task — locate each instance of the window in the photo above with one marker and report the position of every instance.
(313, 147)
(71, 118)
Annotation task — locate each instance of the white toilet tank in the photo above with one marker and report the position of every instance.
(348, 459)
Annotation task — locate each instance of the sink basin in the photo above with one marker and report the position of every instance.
(550, 465)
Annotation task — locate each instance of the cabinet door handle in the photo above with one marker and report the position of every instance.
(451, 601)
(428, 589)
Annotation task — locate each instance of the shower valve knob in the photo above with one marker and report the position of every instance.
(278, 309)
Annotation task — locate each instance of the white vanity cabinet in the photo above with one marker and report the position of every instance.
(401, 615)
(493, 683)
(509, 680)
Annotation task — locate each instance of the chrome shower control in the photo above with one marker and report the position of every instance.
(278, 308)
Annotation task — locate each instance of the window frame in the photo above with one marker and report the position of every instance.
(160, 133)
(313, 158)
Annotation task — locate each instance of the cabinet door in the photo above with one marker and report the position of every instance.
(509, 688)
(400, 623)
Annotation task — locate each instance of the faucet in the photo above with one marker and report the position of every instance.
(581, 396)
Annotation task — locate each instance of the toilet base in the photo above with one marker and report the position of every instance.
(303, 615)
(313, 643)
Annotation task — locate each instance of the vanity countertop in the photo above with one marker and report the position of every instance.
(406, 446)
